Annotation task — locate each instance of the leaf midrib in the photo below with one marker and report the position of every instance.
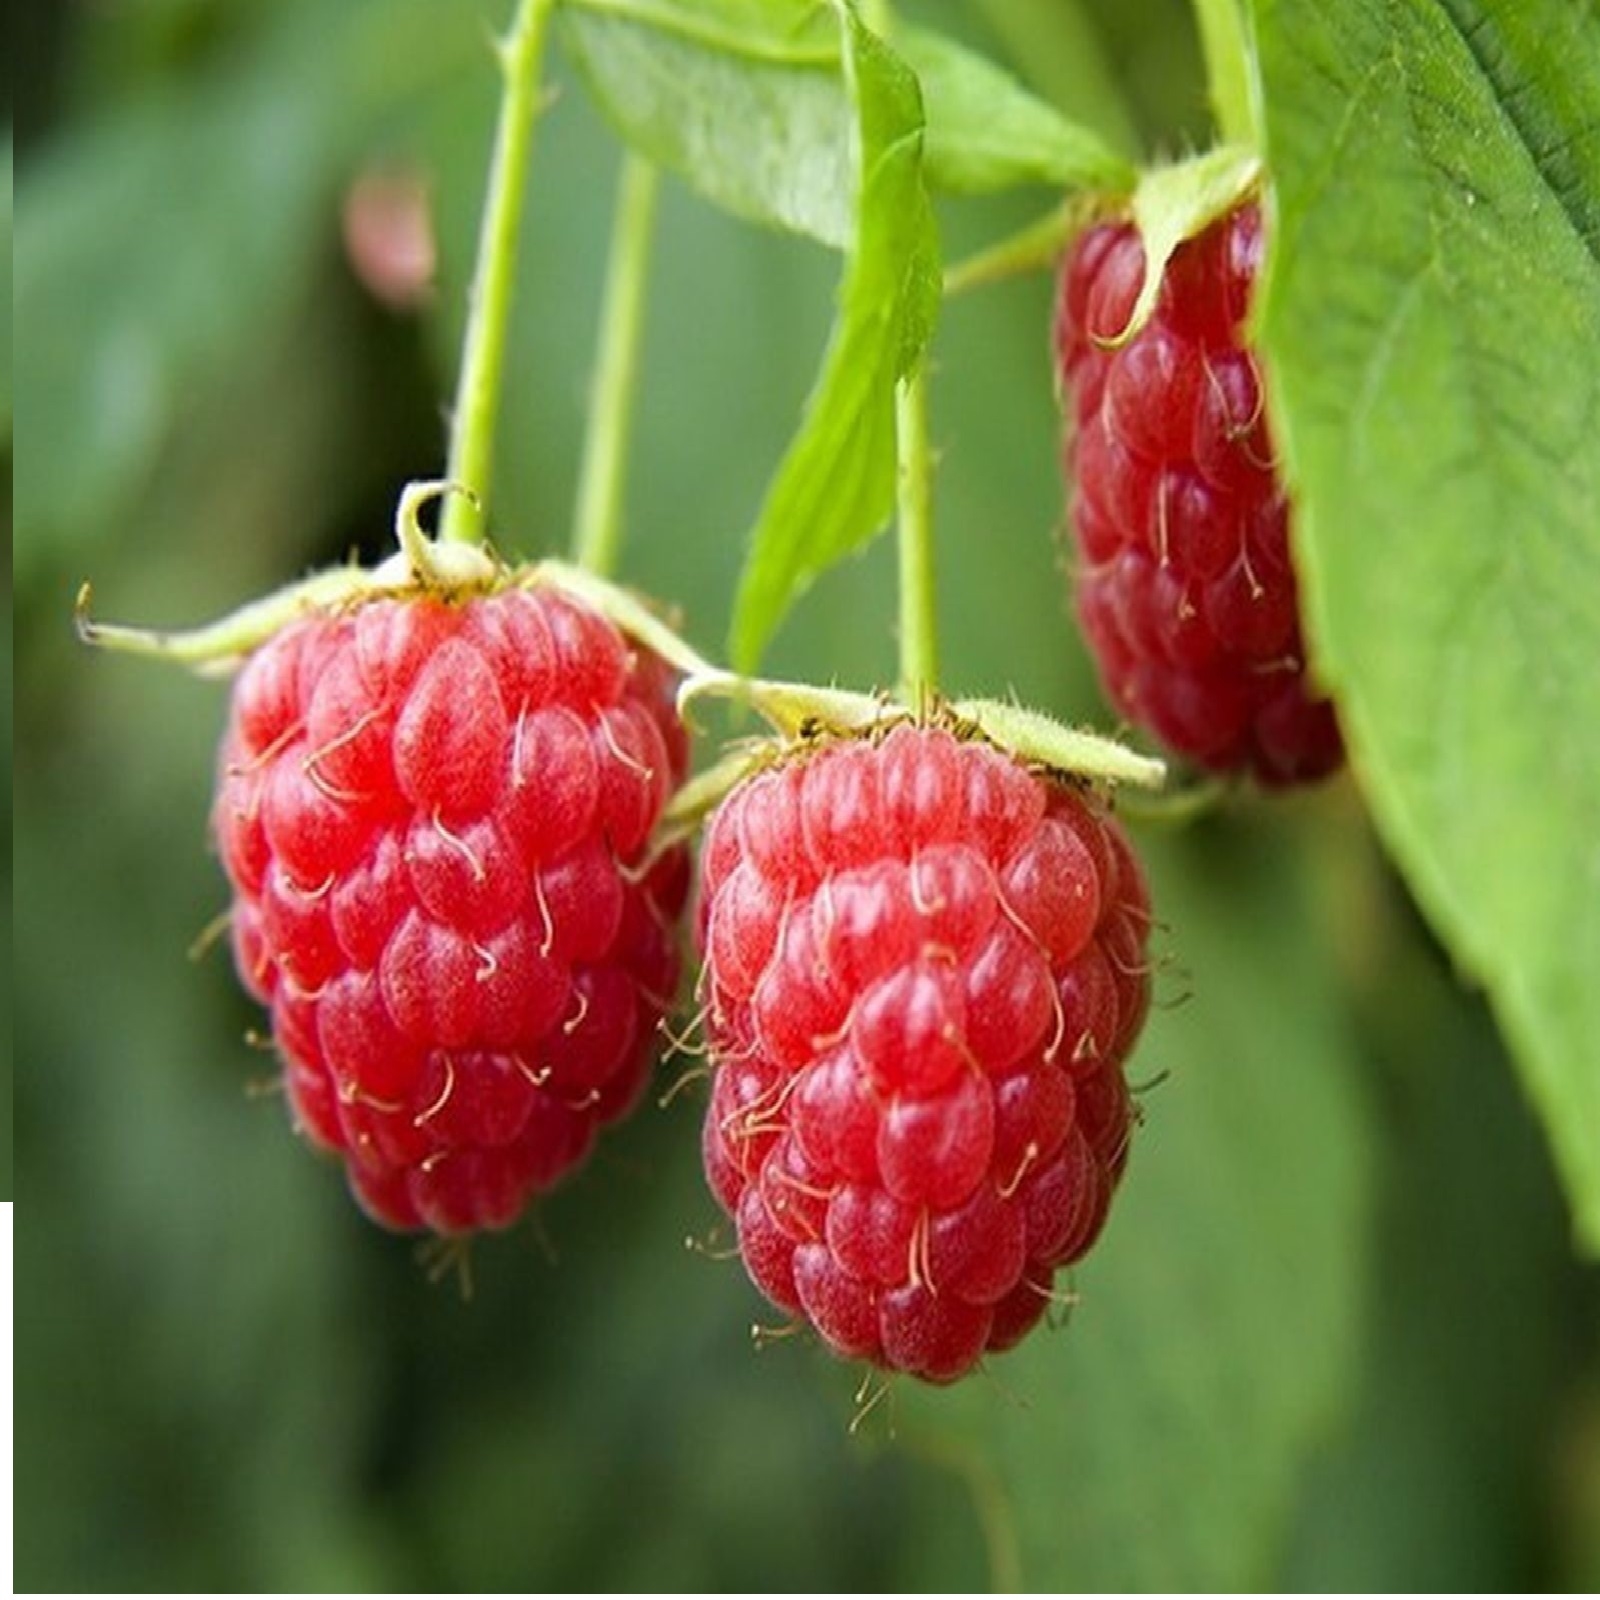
(1510, 103)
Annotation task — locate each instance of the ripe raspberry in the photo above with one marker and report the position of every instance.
(924, 967)
(434, 816)
(1184, 585)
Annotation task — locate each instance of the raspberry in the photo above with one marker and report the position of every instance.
(924, 966)
(1184, 583)
(434, 817)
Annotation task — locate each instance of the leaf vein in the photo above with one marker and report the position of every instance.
(1559, 177)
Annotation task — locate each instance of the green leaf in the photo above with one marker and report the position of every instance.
(835, 488)
(1158, 1441)
(986, 132)
(746, 100)
(1432, 319)
(163, 247)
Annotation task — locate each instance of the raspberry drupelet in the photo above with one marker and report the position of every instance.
(1184, 583)
(924, 967)
(435, 817)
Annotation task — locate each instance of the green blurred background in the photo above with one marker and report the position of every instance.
(1335, 1335)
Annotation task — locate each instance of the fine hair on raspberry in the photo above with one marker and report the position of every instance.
(435, 815)
(1183, 574)
(924, 967)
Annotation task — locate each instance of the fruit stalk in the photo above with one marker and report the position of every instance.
(597, 525)
(1229, 74)
(919, 651)
(521, 55)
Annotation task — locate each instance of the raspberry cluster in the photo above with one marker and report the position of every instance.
(924, 967)
(1184, 583)
(434, 816)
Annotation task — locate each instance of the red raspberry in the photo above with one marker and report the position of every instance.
(1184, 584)
(924, 967)
(434, 816)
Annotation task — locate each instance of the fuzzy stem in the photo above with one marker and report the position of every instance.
(472, 428)
(597, 526)
(919, 651)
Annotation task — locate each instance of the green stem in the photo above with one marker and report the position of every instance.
(477, 405)
(1038, 247)
(597, 527)
(919, 651)
(919, 646)
(1225, 42)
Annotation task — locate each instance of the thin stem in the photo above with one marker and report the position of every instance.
(1225, 41)
(477, 405)
(919, 651)
(597, 526)
(1035, 248)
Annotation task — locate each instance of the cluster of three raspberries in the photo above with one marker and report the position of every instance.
(925, 961)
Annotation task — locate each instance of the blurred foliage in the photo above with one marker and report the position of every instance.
(1223, 1305)
(1337, 1300)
